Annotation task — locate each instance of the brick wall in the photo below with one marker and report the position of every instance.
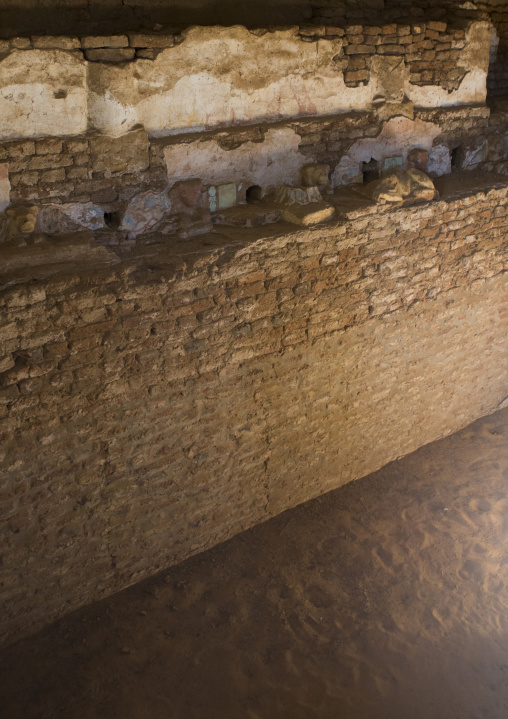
(60, 170)
(155, 404)
(431, 50)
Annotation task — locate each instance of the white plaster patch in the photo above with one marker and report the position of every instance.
(5, 186)
(472, 89)
(221, 76)
(42, 93)
(276, 161)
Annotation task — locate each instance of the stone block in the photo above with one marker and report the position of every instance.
(151, 41)
(310, 214)
(56, 42)
(418, 158)
(108, 54)
(24, 179)
(316, 175)
(437, 26)
(401, 188)
(358, 49)
(49, 162)
(147, 53)
(20, 43)
(285, 196)
(128, 153)
(144, 211)
(439, 160)
(355, 76)
(75, 146)
(48, 147)
(53, 176)
(22, 149)
(78, 173)
(100, 41)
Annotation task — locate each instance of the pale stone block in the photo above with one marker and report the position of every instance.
(440, 162)
(306, 215)
(144, 211)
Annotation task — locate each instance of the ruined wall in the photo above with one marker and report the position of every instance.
(106, 170)
(155, 403)
(81, 117)
(212, 77)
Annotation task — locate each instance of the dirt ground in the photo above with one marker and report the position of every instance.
(387, 598)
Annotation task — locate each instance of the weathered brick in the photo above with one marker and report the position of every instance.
(104, 41)
(48, 146)
(108, 54)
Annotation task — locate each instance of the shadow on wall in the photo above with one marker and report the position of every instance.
(108, 18)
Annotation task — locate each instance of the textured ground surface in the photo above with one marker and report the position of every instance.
(387, 598)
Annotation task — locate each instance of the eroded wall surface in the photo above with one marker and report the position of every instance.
(208, 77)
(156, 404)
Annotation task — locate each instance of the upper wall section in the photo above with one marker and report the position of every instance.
(211, 77)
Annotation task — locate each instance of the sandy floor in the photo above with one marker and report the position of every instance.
(387, 598)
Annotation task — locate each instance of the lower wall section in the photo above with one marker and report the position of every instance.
(154, 407)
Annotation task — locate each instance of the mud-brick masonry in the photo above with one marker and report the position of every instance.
(153, 406)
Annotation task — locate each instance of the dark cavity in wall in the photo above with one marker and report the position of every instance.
(112, 220)
(253, 194)
(371, 171)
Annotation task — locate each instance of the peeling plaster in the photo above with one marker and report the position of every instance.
(29, 81)
(276, 161)
(216, 77)
(224, 76)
